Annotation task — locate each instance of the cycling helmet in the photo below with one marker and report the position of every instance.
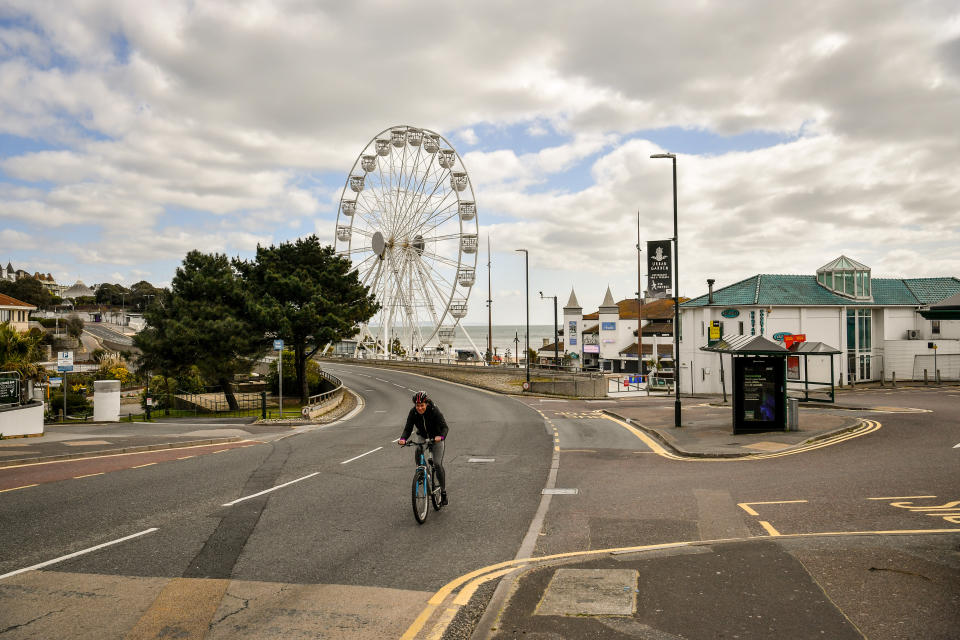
(420, 396)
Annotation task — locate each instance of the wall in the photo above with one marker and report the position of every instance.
(900, 356)
(25, 420)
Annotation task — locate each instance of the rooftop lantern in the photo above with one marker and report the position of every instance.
(414, 137)
(398, 137)
(369, 163)
(348, 207)
(467, 276)
(356, 183)
(468, 210)
(458, 309)
(446, 334)
(846, 277)
(343, 233)
(458, 180)
(431, 143)
(446, 158)
(468, 243)
(382, 146)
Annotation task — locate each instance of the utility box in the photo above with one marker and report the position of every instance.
(106, 400)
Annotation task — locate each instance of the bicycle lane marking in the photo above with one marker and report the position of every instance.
(521, 564)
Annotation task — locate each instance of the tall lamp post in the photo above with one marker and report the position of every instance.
(676, 294)
(556, 337)
(526, 272)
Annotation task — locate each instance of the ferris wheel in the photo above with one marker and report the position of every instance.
(408, 221)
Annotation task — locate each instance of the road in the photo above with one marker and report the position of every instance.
(794, 546)
(336, 552)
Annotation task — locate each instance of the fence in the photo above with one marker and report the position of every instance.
(926, 367)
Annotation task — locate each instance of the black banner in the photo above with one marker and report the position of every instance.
(659, 268)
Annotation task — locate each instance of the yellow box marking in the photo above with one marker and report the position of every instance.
(769, 528)
(746, 505)
(902, 498)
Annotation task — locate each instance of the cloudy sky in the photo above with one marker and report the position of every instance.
(133, 132)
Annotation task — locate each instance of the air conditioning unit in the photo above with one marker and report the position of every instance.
(913, 334)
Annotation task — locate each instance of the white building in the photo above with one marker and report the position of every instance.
(607, 338)
(877, 323)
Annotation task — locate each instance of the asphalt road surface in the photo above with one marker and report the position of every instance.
(858, 539)
(337, 553)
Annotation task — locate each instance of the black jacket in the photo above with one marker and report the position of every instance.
(429, 425)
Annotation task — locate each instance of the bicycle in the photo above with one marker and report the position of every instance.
(424, 482)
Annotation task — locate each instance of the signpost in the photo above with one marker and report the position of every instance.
(278, 347)
(65, 364)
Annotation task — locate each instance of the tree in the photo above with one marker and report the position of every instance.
(21, 352)
(204, 321)
(28, 290)
(75, 328)
(306, 294)
(113, 294)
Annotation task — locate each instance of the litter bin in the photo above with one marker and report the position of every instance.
(793, 414)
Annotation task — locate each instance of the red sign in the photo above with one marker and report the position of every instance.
(790, 340)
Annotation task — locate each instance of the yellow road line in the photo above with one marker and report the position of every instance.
(745, 507)
(901, 498)
(89, 475)
(117, 455)
(140, 466)
(467, 592)
(440, 596)
(442, 623)
(185, 457)
(26, 486)
(766, 525)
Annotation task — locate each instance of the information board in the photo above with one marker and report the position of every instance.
(759, 394)
(9, 391)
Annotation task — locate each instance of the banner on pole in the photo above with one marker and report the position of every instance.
(659, 268)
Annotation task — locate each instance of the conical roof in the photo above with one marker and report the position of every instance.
(609, 305)
(572, 304)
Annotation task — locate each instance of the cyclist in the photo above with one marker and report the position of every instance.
(431, 426)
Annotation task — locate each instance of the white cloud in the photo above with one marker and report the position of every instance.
(251, 113)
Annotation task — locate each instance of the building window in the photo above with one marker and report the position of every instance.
(701, 328)
(4, 315)
(741, 327)
(935, 327)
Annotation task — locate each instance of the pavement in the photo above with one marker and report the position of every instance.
(706, 429)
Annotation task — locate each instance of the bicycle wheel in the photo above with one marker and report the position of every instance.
(435, 496)
(419, 492)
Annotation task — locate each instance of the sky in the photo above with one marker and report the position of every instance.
(134, 132)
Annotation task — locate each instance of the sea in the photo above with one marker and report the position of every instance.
(503, 336)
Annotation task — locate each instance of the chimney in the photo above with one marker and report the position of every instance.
(710, 282)
(546, 341)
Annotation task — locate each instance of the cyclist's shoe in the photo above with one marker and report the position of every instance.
(443, 499)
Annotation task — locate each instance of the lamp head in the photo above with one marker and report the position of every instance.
(664, 155)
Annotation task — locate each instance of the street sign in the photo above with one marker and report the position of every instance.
(64, 360)
(278, 345)
(56, 382)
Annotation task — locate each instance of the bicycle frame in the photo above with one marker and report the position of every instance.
(426, 465)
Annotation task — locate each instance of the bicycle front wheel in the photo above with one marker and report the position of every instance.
(419, 493)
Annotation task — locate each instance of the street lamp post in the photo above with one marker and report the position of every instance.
(526, 271)
(676, 294)
(556, 336)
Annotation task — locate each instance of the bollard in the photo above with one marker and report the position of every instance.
(925, 378)
(893, 379)
(883, 382)
(937, 376)
(263, 405)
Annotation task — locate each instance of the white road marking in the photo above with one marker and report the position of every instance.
(552, 400)
(381, 411)
(78, 553)
(382, 380)
(361, 455)
(279, 486)
(957, 446)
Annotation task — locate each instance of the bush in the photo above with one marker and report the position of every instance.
(77, 402)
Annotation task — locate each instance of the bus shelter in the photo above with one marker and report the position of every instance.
(807, 365)
(759, 382)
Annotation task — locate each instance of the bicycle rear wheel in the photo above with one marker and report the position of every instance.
(419, 493)
(435, 497)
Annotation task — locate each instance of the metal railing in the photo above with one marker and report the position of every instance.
(321, 398)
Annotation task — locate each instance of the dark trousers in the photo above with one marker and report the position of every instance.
(438, 449)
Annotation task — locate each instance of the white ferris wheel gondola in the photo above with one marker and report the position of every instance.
(412, 234)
